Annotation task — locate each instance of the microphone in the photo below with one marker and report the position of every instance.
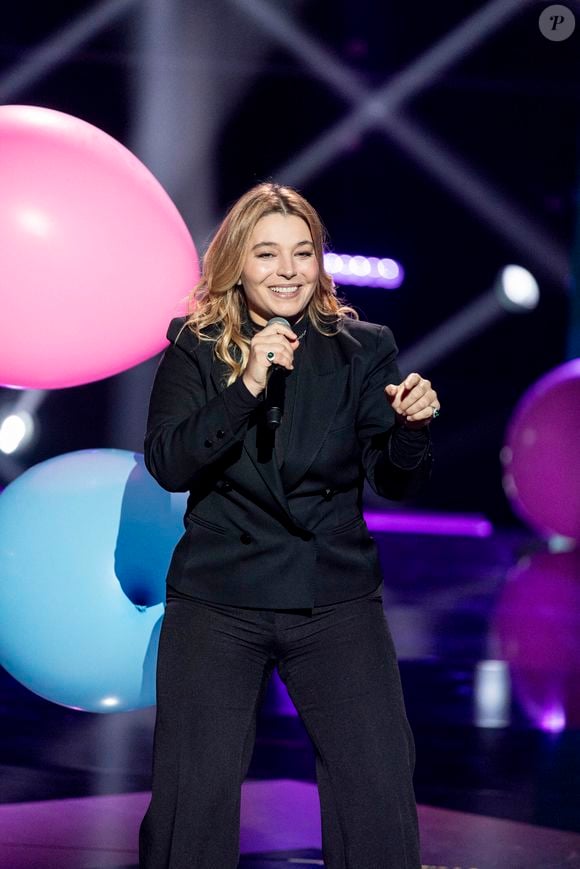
(275, 386)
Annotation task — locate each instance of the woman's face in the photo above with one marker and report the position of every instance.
(280, 272)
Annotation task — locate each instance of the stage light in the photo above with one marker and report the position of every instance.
(517, 289)
(18, 422)
(492, 694)
(363, 271)
(16, 430)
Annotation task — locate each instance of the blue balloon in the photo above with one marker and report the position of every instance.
(85, 543)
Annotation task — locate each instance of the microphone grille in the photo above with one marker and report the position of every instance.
(281, 320)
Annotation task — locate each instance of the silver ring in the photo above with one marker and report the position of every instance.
(270, 355)
(435, 412)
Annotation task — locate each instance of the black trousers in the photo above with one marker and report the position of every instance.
(339, 666)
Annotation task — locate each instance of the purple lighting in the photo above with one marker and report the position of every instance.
(553, 720)
(429, 523)
(364, 271)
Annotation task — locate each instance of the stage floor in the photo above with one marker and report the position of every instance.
(280, 827)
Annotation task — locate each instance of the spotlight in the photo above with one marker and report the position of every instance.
(16, 430)
(364, 271)
(517, 289)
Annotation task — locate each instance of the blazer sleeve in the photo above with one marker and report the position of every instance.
(187, 434)
(397, 462)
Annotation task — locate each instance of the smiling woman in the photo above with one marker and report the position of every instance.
(276, 567)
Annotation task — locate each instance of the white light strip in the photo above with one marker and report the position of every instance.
(363, 271)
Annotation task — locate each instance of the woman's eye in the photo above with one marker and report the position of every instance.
(264, 255)
(306, 253)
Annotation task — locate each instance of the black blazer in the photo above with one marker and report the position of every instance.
(247, 541)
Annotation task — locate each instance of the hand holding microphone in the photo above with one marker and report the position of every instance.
(275, 338)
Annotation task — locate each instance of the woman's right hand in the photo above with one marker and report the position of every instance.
(277, 339)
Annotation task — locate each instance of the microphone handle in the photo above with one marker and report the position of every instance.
(273, 418)
(275, 396)
(275, 385)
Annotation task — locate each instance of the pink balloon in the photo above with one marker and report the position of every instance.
(95, 259)
(542, 456)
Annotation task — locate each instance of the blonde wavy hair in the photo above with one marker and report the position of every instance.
(217, 307)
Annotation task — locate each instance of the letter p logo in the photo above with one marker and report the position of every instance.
(557, 23)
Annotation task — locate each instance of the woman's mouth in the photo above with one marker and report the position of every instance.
(286, 292)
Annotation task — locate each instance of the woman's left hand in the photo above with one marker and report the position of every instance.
(414, 401)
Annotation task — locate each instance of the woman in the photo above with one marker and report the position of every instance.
(276, 567)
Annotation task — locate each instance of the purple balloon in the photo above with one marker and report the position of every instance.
(541, 457)
(536, 628)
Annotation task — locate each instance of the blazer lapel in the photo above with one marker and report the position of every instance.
(258, 445)
(322, 377)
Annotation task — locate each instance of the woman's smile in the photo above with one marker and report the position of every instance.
(288, 292)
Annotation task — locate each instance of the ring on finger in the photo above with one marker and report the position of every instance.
(270, 355)
(436, 412)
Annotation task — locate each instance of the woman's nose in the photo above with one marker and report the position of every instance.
(286, 267)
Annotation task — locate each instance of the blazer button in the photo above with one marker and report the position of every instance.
(245, 538)
(328, 493)
(220, 433)
(208, 443)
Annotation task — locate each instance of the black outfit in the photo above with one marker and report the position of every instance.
(277, 568)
